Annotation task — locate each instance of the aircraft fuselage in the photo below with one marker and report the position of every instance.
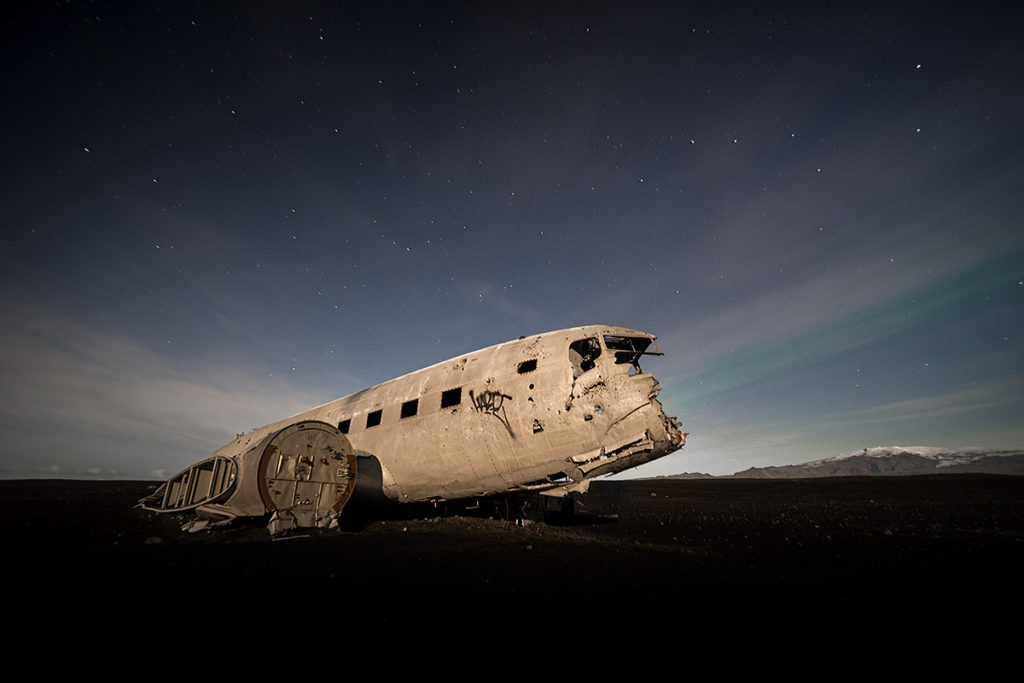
(542, 413)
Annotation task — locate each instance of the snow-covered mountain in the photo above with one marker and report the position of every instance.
(899, 460)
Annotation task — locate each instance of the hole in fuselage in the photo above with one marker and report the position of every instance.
(527, 366)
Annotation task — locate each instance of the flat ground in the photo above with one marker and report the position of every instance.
(876, 558)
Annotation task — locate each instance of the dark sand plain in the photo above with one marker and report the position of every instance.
(875, 559)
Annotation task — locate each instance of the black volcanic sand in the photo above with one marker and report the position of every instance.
(873, 558)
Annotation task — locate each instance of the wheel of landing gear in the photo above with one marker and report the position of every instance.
(306, 474)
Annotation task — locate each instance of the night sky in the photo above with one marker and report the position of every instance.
(216, 215)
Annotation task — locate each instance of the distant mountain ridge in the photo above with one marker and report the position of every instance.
(895, 461)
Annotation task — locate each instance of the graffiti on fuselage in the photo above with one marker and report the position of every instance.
(492, 402)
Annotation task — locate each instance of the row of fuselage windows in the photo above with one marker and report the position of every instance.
(449, 399)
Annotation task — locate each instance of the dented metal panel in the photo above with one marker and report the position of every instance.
(541, 413)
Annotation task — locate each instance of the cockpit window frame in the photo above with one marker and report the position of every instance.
(629, 349)
(583, 356)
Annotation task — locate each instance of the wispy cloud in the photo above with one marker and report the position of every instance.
(81, 401)
(825, 316)
(976, 397)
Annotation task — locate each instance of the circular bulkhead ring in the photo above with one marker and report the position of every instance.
(298, 447)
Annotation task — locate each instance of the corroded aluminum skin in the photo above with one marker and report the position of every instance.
(551, 428)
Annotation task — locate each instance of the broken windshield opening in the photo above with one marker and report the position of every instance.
(629, 349)
(582, 354)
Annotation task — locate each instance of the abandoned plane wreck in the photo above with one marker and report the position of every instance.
(545, 414)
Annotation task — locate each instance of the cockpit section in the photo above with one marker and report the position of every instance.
(583, 353)
(612, 405)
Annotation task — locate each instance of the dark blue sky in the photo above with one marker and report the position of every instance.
(218, 214)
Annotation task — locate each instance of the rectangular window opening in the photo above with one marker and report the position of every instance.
(452, 397)
(344, 425)
(527, 366)
(409, 408)
(373, 419)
